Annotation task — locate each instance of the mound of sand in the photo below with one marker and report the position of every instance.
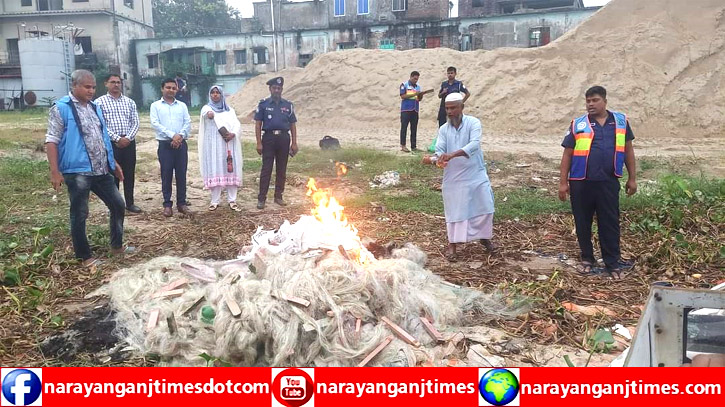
(659, 59)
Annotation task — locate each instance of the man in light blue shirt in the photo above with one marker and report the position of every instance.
(170, 118)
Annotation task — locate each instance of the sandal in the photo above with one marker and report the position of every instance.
(620, 270)
(213, 207)
(489, 245)
(124, 250)
(585, 268)
(91, 263)
(451, 256)
(235, 207)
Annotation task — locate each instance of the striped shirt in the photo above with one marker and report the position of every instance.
(121, 116)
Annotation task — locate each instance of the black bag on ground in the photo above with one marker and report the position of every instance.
(329, 143)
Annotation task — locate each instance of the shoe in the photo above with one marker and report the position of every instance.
(213, 207)
(168, 212)
(280, 202)
(235, 207)
(183, 209)
(133, 209)
(415, 150)
(260, 204)
(404, 149)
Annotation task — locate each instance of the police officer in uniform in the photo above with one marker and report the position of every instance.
(274, 122)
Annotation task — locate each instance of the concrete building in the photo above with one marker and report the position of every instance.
(481, 8)
(230, 59)
(303, 30)
(100, 31)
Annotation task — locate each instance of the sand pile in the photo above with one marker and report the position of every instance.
(660, 60)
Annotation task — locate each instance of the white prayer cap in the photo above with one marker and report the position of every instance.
(454, 97)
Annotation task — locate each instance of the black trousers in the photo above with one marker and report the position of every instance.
(126, 157)
(274, 148)
(602, 198)
(173, 163)
(442, 116)
(405, 118)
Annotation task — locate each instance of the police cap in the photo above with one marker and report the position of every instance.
(276, 81)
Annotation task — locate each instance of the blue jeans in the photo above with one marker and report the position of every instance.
(104, 187)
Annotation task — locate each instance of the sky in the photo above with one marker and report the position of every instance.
(247, 10)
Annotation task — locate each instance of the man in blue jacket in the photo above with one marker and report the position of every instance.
(80, 154)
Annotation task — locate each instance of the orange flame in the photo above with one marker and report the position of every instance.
(329, 212)
(341, 169)
(327, 209)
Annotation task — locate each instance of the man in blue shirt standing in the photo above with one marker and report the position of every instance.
(596, 147)
(448, 87)
(80, 154)
(170, 118)
(410, 95)
(274, 121)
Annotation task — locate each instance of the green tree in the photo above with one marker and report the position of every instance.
(182, 18)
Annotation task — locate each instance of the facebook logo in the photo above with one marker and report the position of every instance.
(21, 387)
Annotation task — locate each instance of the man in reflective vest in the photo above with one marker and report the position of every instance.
(596, 148)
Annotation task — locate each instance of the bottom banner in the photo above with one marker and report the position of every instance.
(296, 387)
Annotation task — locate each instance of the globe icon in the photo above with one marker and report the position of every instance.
(498, 387)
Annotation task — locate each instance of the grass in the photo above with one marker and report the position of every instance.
(678, 216)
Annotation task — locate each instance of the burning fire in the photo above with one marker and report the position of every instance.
(341, 169)
(327, 209)
(329, 213)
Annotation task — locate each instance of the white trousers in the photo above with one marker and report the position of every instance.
(216, 194)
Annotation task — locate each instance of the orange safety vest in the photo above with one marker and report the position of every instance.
(583, 136)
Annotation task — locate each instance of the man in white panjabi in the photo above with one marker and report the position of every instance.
(220, 155)
(467, 193)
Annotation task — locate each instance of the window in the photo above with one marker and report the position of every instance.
(363, 6)
(80, 1)
(260, 56)
(26, 3)
(346, 45)
(478, 3)
(305, 59)
(48, 5)
(153, 61)
(128, 3)
(13, 51)
(399, 5)
(220, 57)
(240, 57)
(85, 44)
(387, 43)
(539, 36)
(339, 8)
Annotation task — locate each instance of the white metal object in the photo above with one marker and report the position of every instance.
(662, 331)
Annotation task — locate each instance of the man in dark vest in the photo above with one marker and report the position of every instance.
(596, 148)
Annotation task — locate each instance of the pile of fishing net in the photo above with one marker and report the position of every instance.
(306, 294)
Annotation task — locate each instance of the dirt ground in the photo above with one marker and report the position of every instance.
(535, 253)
